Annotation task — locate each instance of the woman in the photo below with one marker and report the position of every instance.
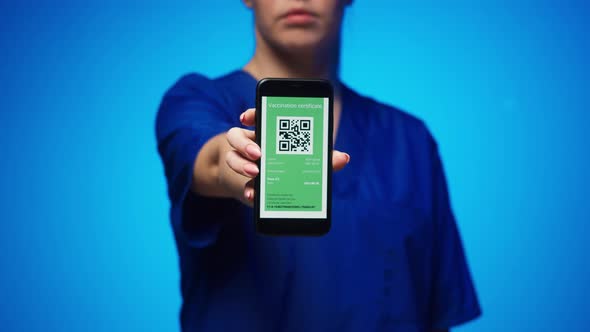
(393, 260)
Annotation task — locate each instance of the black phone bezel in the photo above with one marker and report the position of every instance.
(282, 87)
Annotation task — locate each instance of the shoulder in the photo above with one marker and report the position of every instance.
(193, 97)
(195, 83)
(189, 89)
(390, 119)
(229, 90)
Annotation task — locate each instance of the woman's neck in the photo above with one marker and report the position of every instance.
(271, 62)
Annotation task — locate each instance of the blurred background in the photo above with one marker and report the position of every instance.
(85, 243)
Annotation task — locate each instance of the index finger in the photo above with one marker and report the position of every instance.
(248, 118)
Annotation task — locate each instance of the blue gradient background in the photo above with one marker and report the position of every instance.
(85, 242)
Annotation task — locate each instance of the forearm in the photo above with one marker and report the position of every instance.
(212, 176)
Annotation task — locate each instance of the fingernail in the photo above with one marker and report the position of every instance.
(242, 117)
(249, 194)
(347, 157)
(251, 169)
(253, 150)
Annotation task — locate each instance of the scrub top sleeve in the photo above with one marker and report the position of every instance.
(190, 114)
(454, 299)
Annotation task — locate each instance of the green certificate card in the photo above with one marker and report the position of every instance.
(295, 144)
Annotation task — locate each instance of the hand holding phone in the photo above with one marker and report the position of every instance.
(241, 159)
(245, 153)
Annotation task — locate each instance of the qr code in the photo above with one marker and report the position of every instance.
(294, 135)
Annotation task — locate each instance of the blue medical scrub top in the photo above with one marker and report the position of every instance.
(393, 260)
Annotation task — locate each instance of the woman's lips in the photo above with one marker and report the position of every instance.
(299, 17)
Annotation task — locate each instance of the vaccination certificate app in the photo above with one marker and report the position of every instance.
(294, 145)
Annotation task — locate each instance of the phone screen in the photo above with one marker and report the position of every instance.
(294, 162)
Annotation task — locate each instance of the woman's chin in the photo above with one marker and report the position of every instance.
(301, 47)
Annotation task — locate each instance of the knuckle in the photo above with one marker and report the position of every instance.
(231, 132)
(229, 157)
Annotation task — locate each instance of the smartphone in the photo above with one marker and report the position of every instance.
(294, 124)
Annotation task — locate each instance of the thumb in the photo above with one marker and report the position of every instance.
(339, 160)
